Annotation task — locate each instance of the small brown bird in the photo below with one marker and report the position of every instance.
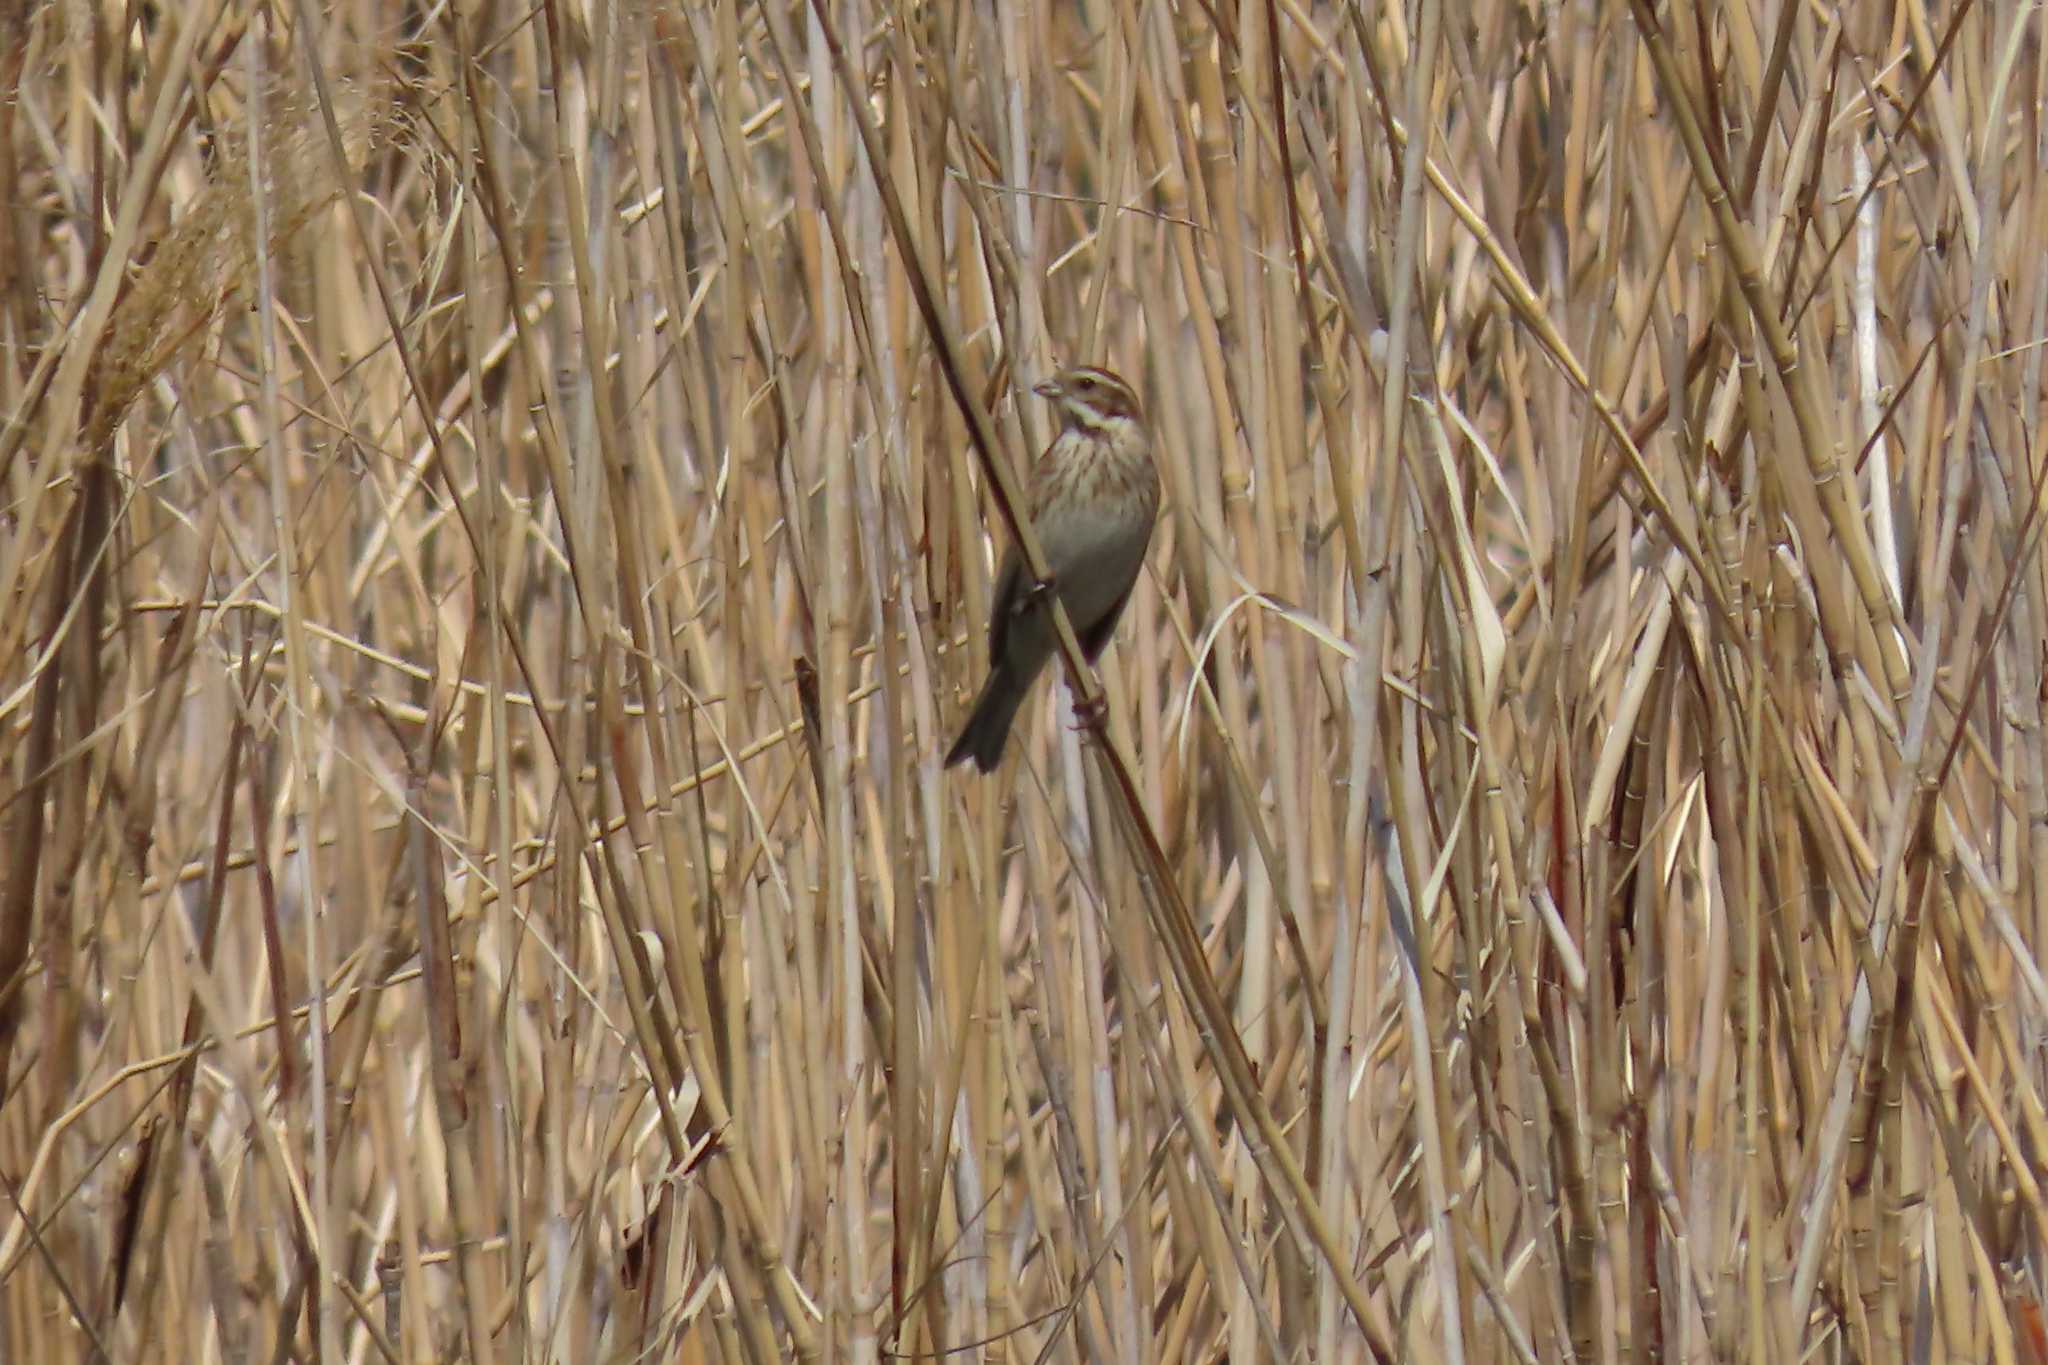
(1094, 495)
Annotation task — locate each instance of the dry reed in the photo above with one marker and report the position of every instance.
(498, 511)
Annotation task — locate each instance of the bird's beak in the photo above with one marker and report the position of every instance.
(1047, 388)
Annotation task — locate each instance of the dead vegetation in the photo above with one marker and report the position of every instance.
(498, 504)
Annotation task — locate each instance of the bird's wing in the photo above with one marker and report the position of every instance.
(1009, 595)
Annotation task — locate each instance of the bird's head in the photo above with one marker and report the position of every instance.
(1091, 398)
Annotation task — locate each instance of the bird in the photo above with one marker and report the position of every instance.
(1094, 496)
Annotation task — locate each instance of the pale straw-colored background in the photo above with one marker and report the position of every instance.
(493, 550)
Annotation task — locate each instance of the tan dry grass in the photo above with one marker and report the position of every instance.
(496, 528)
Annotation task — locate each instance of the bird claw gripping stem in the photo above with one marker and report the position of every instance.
(1090, 713)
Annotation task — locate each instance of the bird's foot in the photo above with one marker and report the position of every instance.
(1090, 713)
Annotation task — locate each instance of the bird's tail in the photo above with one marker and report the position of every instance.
(988, 728)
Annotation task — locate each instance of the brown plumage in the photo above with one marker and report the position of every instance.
(1094, 496)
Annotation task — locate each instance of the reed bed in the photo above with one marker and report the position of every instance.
(498, 512)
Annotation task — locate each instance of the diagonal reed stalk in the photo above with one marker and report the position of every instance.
(497, 512)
